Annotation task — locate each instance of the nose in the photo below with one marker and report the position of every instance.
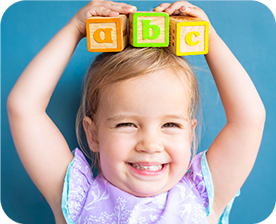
(150, 142)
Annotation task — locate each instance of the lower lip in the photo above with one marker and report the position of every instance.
(148, 172)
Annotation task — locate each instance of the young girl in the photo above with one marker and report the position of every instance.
(138, 113)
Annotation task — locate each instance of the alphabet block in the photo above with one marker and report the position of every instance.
(149, 29)
(188, 35)
(106, 34)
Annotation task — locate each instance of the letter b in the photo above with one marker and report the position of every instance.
(156, 31)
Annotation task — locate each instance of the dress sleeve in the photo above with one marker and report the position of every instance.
(78, 180)
(201, 176)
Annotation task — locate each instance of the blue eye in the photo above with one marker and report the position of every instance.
(171, 125)
(125, 125)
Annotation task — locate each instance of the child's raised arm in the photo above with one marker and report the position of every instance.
(232, 154)
(40, 145)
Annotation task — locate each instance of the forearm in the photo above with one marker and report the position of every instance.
(36, 84)
(238, 94)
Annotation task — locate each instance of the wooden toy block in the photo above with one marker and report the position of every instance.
(106, 34)
(149, 29)
(188, 35)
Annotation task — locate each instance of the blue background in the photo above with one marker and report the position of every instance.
(247, 27)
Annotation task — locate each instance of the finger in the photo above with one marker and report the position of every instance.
(118, 7)
(162, 7)
(122, 8)
(175, 7)
(102, 11)
(195, 12)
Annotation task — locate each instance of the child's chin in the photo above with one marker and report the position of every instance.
(146, 191)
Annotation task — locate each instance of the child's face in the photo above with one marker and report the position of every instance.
(143, 133)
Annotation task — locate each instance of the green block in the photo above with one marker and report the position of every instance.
(151, 32)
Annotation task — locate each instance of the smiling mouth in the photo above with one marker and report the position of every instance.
(147, 168)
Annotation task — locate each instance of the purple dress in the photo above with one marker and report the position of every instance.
(86, 200)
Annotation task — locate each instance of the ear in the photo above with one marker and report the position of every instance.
(193, 126)
(91, 134)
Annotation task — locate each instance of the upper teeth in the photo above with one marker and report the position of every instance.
(151, 168)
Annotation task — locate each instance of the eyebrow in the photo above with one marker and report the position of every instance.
(121, 116)
(133, 116)
(177, 116)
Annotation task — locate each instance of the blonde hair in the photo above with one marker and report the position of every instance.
(109, 68)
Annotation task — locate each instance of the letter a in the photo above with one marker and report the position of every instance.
(146, 30)
(107, 37)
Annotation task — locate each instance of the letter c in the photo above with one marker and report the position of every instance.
(189, 38)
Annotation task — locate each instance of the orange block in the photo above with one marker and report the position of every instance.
(106, 34)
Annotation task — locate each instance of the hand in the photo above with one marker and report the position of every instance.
(183, 8)
(99, 8)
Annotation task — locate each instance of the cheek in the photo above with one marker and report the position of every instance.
(115, 147)
(179, 149)
(114, 151)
